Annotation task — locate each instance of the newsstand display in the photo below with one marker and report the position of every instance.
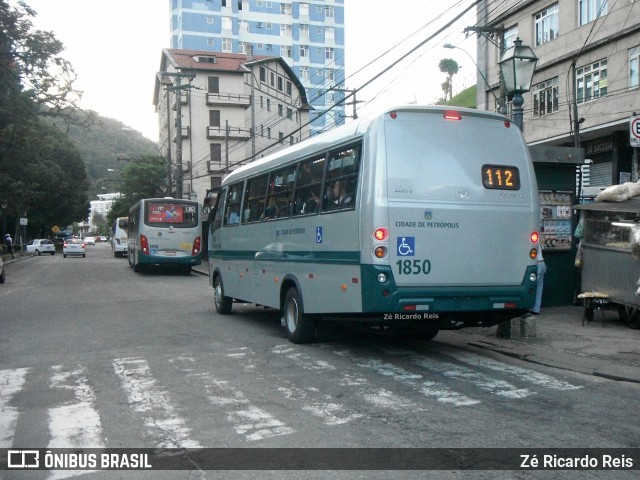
(610, 256)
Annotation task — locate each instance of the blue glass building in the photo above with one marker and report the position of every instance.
(308, 35)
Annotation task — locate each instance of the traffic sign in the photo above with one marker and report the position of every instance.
(634, 131)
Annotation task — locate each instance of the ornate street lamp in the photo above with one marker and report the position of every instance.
(517, 66)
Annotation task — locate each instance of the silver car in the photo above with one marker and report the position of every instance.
(40, 246)
(73, 246)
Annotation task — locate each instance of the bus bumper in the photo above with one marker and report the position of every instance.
(450, 307)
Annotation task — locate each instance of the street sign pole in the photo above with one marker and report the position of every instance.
(634, 140)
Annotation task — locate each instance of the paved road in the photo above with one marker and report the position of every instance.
(95, 355)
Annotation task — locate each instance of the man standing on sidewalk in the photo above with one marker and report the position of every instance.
(8, 244)
(542, 269)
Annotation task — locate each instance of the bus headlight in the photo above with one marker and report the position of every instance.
(533, 277)
(382, 278)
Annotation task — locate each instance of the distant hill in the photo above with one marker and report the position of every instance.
(107, 144)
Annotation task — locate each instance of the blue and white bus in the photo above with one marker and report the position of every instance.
(416, 213)
(164, 232)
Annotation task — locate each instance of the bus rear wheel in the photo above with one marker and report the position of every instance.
(300, 327)
(222, 303)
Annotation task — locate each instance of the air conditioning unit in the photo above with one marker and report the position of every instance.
(591, 191)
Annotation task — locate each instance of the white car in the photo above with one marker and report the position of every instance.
(89, 240)
(40, 246)
(73, 246)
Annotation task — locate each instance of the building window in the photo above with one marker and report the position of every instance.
(329, 53)
(280, 137)
(285, 51)
(304, 9)
(509, 35)
(244, 26)
(545, 98)
(304, 73)
(227, 23)
(591, 81)
(285, 8)
(304, 31)
(213, 84)
(285, 30)
(215, 152)
(214, 118)
(211, 42)
(289, 113)
(227, 45)
(547, 24)
(304, 51)
(592, 9)
(634, 65)
(289, 87)
(280, 83)
(263, 75)
(268, 104)
(329, 33)
(210, 20)
(280, 110)
(329, 11)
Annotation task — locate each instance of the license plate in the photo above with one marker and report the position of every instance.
(170, 253)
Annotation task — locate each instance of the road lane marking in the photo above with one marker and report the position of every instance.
(252, 422)
(147, 398)
(11, 382)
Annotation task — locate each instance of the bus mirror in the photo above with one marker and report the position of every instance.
(123, 224)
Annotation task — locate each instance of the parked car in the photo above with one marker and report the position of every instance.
(1, 270)
(40, 246)
(89, 240)
(73, 246)
(102, 238)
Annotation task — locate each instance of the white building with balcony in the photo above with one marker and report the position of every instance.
(229, 109)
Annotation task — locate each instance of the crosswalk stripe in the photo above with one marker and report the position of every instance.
(524, 374)
(154, 403)
(11, 382)
(76, 424)
(251, 422)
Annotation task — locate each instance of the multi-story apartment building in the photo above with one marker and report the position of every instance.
(586, 85)
(221, 110)
(308, 35)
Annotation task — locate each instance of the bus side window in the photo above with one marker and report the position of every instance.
(279, 197)
(342, 178)
(254, 202)
(308, 189)
(232, 205)
(216, 212)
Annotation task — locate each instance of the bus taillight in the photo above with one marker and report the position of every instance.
(144, 244)
(535, 237)
(381, 234)
(196, 247)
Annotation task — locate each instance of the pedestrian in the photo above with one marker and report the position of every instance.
(8, 244)
(542, 268)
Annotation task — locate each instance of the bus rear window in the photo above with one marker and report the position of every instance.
(162, 214)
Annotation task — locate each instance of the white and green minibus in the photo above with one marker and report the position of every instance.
(418, 213)
(164, 232)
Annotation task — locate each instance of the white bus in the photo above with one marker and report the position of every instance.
(119, 237)
(417, 214)
(164, 232)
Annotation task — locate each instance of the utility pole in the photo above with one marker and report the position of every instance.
(177, 88)
(354, 102)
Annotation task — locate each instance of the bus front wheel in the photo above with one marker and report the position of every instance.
(300, 327)
(222, 303)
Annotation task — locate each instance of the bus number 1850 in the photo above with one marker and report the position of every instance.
(414, 267)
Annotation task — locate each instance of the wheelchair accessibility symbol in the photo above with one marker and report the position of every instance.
(406, 246)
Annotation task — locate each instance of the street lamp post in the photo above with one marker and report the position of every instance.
(517, 66)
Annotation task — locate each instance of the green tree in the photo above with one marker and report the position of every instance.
(141, 178)
(42, 176)
(450, 67)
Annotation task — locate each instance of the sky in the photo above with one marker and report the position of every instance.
(115, 47)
